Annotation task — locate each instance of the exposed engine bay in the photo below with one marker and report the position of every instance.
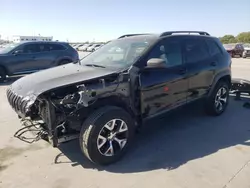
(57, 115)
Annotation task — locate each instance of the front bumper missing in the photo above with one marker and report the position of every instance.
(35, 128)
(33, 131)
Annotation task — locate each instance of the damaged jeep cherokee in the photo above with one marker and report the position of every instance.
(107, 95)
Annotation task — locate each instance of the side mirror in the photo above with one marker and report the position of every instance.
(156, 63)
(17, 52)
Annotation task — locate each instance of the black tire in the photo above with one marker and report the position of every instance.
(93, 126)
(63, 62)
(210, 105)
(2, 75)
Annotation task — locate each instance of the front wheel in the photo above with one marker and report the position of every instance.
(217, 102)
(106, 135)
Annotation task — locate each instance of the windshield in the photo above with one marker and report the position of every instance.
(7, 48)
(229, 45)
(118, 53)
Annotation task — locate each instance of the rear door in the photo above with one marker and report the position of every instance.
(44, 58)
(164, 88)
(200, 67)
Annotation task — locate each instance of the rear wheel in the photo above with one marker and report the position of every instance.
(2, 75)
(106, 135)
(217, 103)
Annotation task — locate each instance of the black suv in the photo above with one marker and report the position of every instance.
(106, 96)
(27, 57)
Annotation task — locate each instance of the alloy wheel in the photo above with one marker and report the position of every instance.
(113, 137)
(221, 99)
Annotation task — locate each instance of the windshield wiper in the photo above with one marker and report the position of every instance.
(94, 65)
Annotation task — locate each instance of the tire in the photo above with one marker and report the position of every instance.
(95, 125)
(210, 105)
(63, 62)
(232, 55)
(2, 75)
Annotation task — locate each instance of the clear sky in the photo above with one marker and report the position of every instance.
(81, 20)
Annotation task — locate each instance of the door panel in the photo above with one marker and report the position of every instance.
(45, 58)
(200, 67)
(200, 75)
(21, 63)
(162, 90)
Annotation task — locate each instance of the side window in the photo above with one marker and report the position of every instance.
(195, 50)
(56, 47)
(44, 47)
(213, 48)
(31, 48)
(169, 50)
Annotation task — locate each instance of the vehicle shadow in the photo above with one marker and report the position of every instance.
(10, 80)
(171, 141)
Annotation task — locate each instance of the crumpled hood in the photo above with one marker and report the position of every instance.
(37, 83)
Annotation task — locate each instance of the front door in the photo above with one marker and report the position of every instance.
(25, 61)
(164, 88)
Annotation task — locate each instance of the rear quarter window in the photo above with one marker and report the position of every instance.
(213, 47)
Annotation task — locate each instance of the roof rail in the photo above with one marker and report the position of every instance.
(130, 35)
(189, 32)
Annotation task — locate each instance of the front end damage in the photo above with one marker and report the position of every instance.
(56, 115)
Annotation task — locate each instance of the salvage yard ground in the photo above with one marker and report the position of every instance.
(192, 150)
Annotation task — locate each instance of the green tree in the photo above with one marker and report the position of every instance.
(243, 37)
(226, 39)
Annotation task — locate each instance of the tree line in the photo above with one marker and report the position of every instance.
(243, 37)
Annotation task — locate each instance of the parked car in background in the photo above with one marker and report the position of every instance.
(78, 46)
(97, 47)
(93, 47)
(105, 97)
(27, 57)
(234, 49)
(246, 52)
(84, 47)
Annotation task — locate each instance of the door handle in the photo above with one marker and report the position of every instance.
(213, 64)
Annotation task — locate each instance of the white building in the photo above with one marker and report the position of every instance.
(18, 38)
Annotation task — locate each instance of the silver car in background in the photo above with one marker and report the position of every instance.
(93, 47)
(246, 52)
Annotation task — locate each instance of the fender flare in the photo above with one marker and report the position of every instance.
(217, 78)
